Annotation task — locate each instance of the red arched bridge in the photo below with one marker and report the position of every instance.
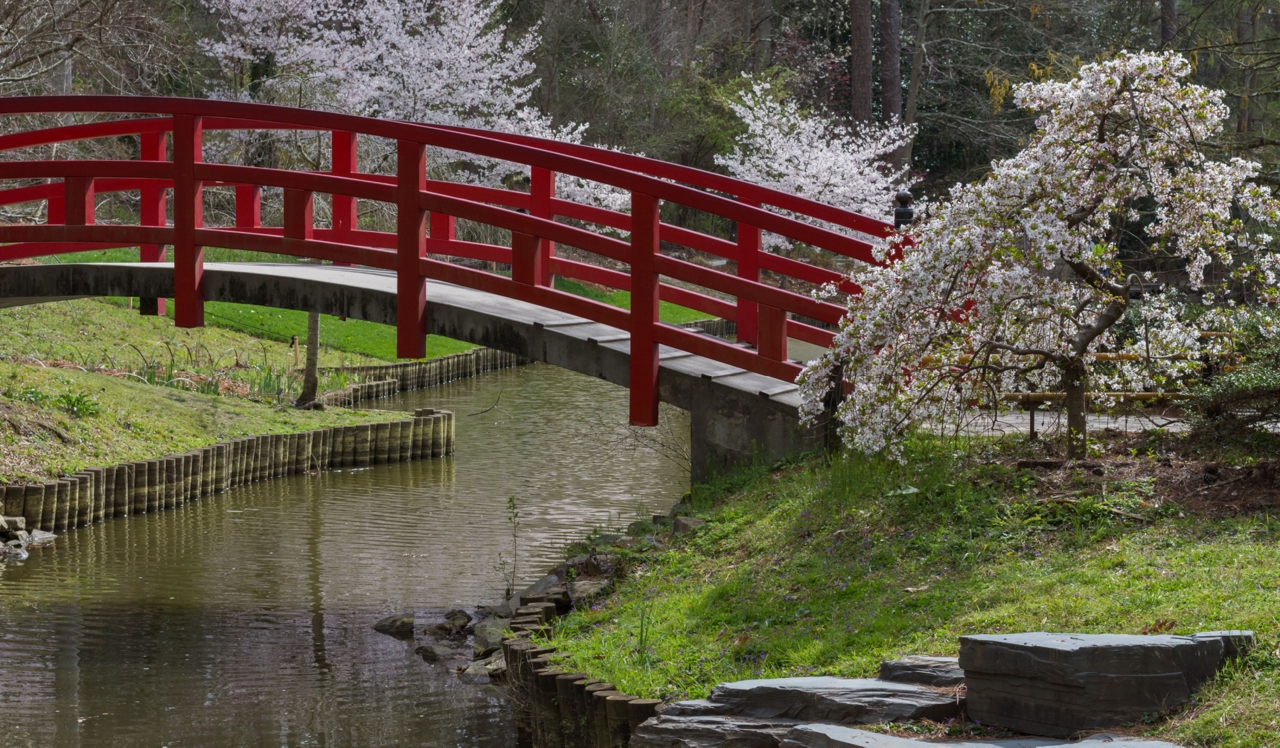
(170, 166)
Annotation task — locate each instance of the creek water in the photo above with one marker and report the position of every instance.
(244, 619)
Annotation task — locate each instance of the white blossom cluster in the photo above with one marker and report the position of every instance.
(811, 155)
(446, 63)
(1016, 278)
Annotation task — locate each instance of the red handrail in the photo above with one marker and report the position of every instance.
(426, 210)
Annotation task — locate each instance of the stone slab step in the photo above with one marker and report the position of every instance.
(709, 731)
(826, 699)
(1062, 684)
(926, 670)
(835, 736)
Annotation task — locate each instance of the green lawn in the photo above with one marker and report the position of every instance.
(817, 569)
(667, 312)
(60, 421)
(352, 335)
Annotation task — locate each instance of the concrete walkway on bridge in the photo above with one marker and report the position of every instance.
(736, 415)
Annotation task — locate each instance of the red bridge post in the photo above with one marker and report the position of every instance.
(152, 213)
(248, 206)
(188, 215)
(542, 190)
(299, 218)
(443, 227)
(78, 193)
(411, 247)
(748, 269)
(645, 218)
(771, 335)
(343, 163)
(526, 259)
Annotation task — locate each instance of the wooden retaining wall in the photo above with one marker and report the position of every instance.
(382, 381)
(96, 494)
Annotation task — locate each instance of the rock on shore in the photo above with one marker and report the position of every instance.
(825, 699)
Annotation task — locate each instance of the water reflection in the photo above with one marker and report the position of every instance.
(243, 619)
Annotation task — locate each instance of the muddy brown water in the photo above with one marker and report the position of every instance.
(243, 619)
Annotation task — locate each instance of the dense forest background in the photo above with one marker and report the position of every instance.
(655, 76)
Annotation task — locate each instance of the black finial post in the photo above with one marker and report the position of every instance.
(903, 214)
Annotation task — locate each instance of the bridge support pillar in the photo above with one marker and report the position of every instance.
(411, 247)
(730, 430)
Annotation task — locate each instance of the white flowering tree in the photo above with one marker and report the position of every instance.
(447, 63)
(811, 155)
(1015, 282)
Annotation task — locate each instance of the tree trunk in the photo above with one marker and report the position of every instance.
(311, 377)
(890, 61)
(831, 410)
(1075, 381)
(917, 71)
(860, 60)
(1168, 22)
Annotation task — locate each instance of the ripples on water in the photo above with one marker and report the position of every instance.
(244, 618)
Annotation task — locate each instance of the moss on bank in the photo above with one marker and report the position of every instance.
(818, 569)
(59, 421)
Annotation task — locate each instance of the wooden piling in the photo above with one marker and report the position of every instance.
(547, 710)
(82, 501)
(639, 710)
(124, 490)
(619, 724)
(141, 481)
(393, 441)
(99, 476)
(49, 511)
(183, 466)
(246, 448)
(381, 444)
(597, 732)
(600, 717)
(155, 485)
(319, 449)
(221, 461)
(33, 506)
(570, 713)
(437, 448)
(363, 439)
(244, 460)
(198, 478)
(302, 451)
(65, 505)
(168, 496)
(450, 433)
(349, 446)
(13, 499)
(231, 477)
(408, 435)
(277, 456)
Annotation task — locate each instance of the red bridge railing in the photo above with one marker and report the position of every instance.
(426, 211)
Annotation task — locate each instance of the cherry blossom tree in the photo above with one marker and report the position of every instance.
(812, 155)
(448, 63)
(1015, 283)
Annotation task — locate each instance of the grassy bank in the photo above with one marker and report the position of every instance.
(829, 569)
(352, 336)
(59, 421)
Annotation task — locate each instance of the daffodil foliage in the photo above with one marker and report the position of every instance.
(1020, 282)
